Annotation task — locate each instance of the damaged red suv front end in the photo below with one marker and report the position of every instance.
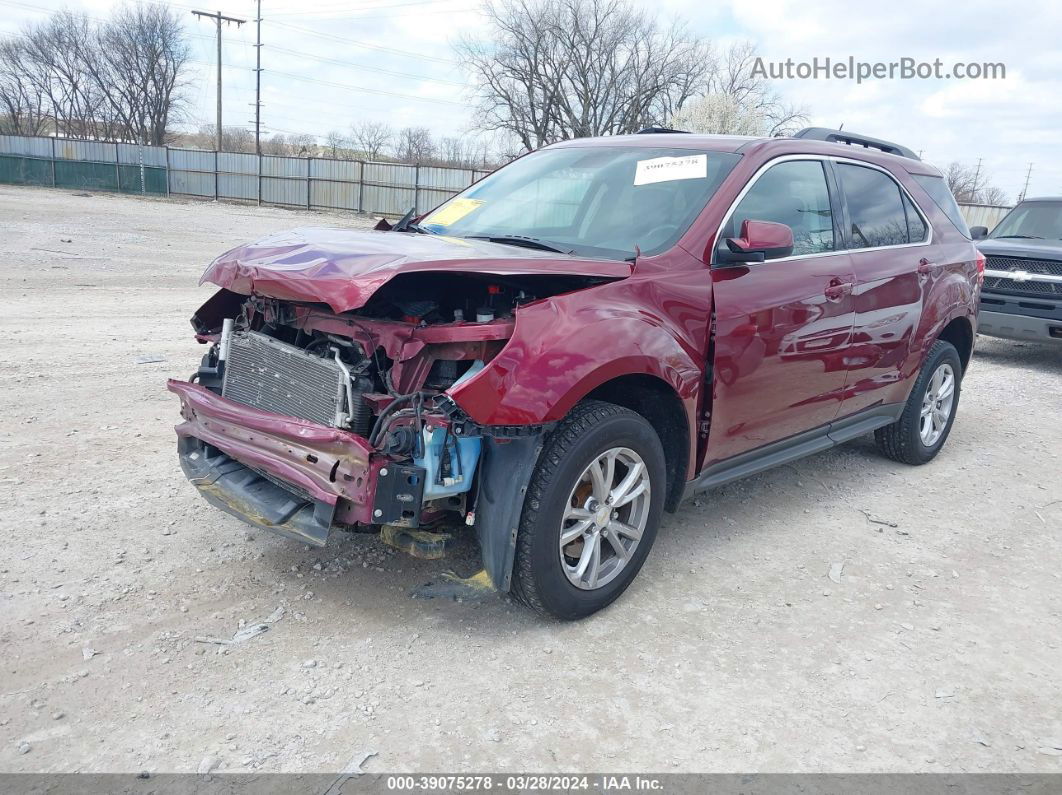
(331, 394)
(407, 380)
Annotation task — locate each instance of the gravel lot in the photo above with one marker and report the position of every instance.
(938, 649)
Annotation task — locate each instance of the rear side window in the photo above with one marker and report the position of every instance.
(875, 208)
(916, 225)
(941, 194)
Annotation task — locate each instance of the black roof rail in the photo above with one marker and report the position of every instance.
(651, 130)
(854, 139)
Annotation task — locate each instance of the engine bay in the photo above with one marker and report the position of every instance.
(381, 372)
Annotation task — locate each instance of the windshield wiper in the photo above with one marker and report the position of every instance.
(405, 224)
(1027, 237)
(522, 241)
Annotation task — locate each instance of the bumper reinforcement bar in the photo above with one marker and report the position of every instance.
(241, 491)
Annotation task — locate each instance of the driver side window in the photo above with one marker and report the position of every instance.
(793, 193)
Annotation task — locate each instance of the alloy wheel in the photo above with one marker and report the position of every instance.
(605, 517)
(937, 404)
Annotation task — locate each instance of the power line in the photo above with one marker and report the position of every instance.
(1026, 188)
(346, 86)
(218, 18)
(365, 44)
(380, 91)
(258, 82)
(345, 13)
(381, 70)
(346, 7)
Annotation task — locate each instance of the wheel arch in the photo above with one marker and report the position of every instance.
(660, 405)
(959, 332)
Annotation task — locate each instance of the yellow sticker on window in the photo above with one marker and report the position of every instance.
(453, 212)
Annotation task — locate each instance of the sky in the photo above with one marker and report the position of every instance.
(329, 63)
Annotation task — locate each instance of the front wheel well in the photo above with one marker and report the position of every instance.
(959, 332)
(661, 406)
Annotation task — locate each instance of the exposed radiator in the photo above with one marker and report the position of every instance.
(273, 376)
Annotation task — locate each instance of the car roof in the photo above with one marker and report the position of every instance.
(1042, 199)
(750, 144)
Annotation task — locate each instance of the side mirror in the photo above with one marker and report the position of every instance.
(759, 241)
(979, 232)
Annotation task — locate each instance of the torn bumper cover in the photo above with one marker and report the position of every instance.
(300, 479)
(283, 474)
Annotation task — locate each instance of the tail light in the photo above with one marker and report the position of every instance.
(981, 261)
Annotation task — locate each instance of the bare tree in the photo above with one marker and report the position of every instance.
(459, 152)
(276, 144)
(970, 185)
(559, 69)
(414, 145)
(997, 197)
(54, 61)
(121, 79)
(734, 77)
(371, 138)
(302, 145)
(964, 182)
(334, 142)
(233, 139)
(23, 103)
(137, 61)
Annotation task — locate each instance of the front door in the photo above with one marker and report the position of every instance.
(782, 326)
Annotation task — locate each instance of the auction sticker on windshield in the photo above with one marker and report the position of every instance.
(453, 212)
(668, 169)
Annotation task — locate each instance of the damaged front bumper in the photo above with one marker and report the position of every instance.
(300, 479)
(287, 475)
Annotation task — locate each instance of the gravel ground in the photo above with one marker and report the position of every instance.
(938, 648)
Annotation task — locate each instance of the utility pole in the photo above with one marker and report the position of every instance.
(258, 83)
(1025, 190)
(219, 18)
(977, 179)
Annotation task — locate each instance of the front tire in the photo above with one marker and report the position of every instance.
(922, 429)
(591, 513)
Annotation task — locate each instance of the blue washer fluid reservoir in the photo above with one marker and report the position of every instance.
(463, 454)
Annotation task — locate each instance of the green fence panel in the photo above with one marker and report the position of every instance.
(80, 174)
(154, 179)
(25, 171)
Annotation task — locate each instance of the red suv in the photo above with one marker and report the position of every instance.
(572, 345)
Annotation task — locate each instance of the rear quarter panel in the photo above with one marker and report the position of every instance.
(952, 291)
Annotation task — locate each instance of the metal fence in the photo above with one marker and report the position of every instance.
(312, 183)
(987, 215)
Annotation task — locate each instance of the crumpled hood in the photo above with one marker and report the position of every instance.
(1020, 247)
(344, 267)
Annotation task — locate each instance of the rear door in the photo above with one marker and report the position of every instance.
(783, 326)
(888, 239)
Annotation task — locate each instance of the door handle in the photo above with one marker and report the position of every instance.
(836, 289)
(924, 267)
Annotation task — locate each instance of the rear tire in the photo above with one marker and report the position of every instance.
(591, 512)
(922, 429)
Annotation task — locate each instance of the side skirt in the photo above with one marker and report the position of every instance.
(799, 446)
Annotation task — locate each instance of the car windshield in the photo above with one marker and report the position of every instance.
(602, 201)
(1035, 220)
